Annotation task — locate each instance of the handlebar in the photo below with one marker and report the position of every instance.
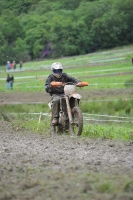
(82, 84)
(59, 84)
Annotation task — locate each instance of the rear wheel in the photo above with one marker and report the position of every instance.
(61, 127)
(77, 125)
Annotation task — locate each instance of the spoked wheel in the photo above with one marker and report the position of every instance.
(61, 127)
(54, 130)
(58, 129)
(63, 124)
(77, 125)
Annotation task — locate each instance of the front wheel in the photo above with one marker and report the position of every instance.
(77, 125)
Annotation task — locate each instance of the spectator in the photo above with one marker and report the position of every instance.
(8, 65)
(21, 64)
(11, 65)
(14, 65)
(11, 82)
(8, 86)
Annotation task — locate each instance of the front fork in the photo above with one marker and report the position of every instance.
(76, 103)
(69, 110)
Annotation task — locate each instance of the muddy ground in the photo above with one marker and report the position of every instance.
(44, 167)
(40, 97)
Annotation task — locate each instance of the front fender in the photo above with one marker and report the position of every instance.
(76, 96)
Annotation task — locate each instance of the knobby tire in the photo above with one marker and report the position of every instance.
(77, 126)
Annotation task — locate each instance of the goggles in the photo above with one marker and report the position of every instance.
(57, 71)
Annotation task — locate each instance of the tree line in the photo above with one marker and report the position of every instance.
(36, 29)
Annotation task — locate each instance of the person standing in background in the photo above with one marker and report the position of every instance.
(14, 65)
(21, 64)
(11, 65)
(8, 65)
(11, 82)
(8, 86)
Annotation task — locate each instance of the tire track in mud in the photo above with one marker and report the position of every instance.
(33, 166)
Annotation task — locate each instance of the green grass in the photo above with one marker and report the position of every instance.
(91, 68)
(124, 52)
(116, 107)
(35, 80)
(22, 117)
(109, 131)
(101, 72)
(21, 108)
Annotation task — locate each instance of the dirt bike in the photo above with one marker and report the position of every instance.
(70, 115)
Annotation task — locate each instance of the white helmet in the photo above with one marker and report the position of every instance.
(57, 68)
(56, 65)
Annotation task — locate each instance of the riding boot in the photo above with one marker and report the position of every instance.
(53, 130)
(55, 110)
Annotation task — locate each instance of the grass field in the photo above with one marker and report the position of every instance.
(106, 70)
(110, 69)
(98, 77)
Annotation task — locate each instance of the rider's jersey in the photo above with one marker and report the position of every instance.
(64, 78)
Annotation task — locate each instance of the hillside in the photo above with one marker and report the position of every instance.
(50, 29)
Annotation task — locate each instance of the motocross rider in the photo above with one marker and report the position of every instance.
(57, 92)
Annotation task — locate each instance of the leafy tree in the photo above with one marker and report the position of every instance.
(21, 50)
(124, 8)
(10, 31)
(70, 5)
(10, 25)
(18, 6)
(69, 27)
(3, 49)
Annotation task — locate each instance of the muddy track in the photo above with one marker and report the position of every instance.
(39, 167)
(43, 97)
